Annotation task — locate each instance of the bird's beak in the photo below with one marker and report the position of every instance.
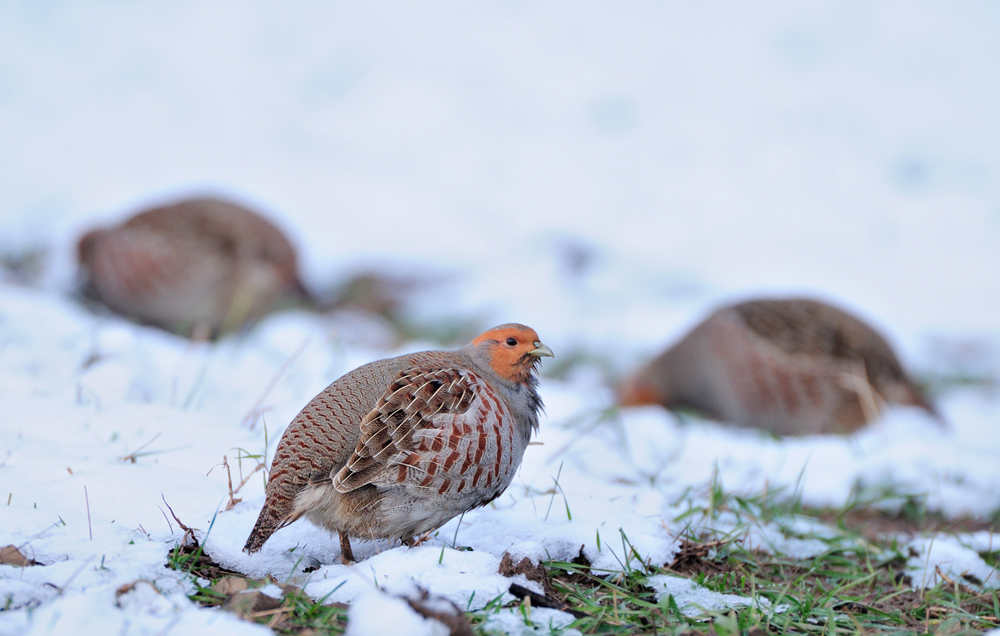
(541, 350)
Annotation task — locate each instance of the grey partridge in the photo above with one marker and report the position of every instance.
(397, 447)
(792, 367)
(198, 264)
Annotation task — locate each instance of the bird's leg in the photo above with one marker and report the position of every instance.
(346, 554)
(412, 542)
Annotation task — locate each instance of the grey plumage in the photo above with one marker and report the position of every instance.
(397, 447)
(199, 263)
(792, 367)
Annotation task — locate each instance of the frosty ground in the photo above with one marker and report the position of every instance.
(85, 395)
(605, 174)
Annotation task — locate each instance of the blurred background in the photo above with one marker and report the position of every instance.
(606, 173)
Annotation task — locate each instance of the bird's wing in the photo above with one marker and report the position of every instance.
(809, 329)
(441, 429)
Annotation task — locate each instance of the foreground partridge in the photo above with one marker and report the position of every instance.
(398, 447)
(198, 264)
(792, 367)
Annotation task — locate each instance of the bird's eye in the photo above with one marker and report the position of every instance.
(511, 342)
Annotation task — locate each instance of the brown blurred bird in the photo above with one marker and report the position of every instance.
(792, 367)
(398, 447)
(201, 264)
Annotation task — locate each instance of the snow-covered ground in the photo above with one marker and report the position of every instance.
(603, 173)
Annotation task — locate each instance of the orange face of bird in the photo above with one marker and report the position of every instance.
(514, 350)
(636, 392)
(85, 246)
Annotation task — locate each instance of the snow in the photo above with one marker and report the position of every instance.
(694, 599)
(936, 556)
(540, 622)
(375, 613)
(605, 174)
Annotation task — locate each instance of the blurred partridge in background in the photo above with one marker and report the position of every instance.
(792, 367)
(397, 447)
(201, 265)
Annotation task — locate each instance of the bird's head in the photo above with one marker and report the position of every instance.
(638, 391)
(512, 351)
(86, 245)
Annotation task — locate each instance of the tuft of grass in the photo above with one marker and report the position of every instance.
(297, 614)
(858, 585)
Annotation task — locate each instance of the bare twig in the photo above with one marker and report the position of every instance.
(279, 610)
(539, 600)
(937, 569)
(169, 525)
(187, 531)
(229, 475)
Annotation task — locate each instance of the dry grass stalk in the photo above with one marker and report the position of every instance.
(188, 532)
(229, 475)
(131, 457)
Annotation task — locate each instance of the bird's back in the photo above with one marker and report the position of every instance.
(222, 227)
(800, 366)
(801, 327)
(200, 261)
(792, 367)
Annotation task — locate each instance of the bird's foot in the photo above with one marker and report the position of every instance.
(412, 542)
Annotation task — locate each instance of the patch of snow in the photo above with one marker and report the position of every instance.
(272, 590)
(542, 621)
(693, 599)
(982, 541)
(375, 613)
(772, 539)
(143, 610)
(766, 153)
(470, 580)
(947, 555)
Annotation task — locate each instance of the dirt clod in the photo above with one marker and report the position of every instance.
(534, 572)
